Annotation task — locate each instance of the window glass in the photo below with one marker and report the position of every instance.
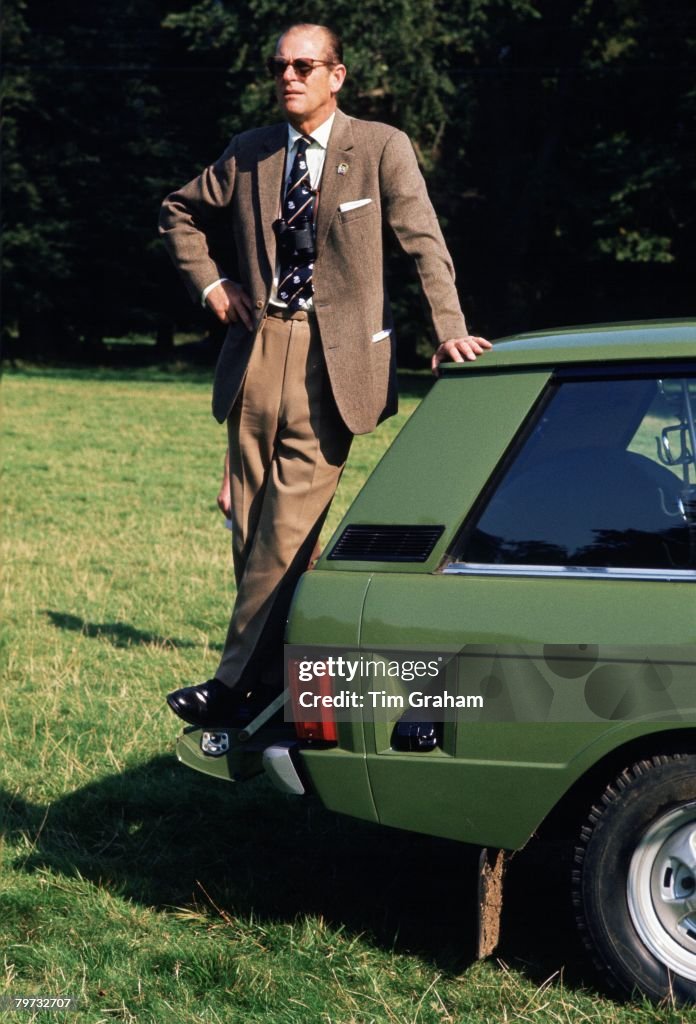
(605, 479)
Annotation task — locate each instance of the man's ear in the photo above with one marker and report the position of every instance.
(338, 77)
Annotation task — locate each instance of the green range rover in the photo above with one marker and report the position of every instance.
(502, 632)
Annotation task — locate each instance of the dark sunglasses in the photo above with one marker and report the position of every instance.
(303, 66)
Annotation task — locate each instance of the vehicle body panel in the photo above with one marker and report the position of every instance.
(513, 773)
(434, 475)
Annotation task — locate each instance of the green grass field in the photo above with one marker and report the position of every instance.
(145, 891)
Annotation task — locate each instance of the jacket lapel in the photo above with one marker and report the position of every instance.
(269, 170)
(338, 152)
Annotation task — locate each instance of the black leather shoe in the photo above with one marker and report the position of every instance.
(213, 704)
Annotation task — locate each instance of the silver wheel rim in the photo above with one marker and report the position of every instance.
(661, 890)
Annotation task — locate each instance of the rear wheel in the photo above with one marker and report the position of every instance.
(635, 878)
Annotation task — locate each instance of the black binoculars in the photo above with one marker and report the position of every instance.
(294, 241)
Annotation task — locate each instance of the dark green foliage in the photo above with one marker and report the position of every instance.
(556, 137)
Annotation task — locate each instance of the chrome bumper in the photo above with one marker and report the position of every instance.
(278, 764)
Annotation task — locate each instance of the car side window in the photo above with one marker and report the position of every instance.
(604, 478)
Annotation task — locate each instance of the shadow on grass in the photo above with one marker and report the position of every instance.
(166, 837)
(119, 634)
(539, 936)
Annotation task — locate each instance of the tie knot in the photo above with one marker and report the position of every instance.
(302, 145)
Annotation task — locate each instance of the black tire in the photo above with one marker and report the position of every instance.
(634, 875)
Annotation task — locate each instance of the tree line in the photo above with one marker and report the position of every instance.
(557, 137)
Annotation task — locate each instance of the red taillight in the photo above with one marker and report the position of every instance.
(322, 727)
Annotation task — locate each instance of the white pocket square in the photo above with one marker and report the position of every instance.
(353, 204)
(381, 335)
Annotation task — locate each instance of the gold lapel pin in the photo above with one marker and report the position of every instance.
(342, 168)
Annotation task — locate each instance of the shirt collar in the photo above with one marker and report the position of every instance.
(319, 135)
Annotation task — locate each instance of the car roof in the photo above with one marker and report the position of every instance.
(591, 343)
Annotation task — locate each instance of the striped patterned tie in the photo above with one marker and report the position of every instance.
(295, 285)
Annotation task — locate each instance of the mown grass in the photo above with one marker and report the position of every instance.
(150, 893)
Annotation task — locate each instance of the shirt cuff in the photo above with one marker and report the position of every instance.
(206, 291)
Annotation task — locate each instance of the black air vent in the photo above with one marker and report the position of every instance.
(386, 543)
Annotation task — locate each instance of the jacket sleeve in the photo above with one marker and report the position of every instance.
(190, 219)
(410, 214)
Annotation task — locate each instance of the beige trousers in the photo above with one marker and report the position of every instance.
(288, 446)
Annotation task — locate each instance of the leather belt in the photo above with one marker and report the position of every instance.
(280, 313)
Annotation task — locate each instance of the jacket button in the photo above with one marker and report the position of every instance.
(259, 304)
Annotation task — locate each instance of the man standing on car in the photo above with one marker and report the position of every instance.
(294, 213)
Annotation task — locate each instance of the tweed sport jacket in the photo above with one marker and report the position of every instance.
(220, 225)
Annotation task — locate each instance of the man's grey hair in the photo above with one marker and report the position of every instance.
(334, 45)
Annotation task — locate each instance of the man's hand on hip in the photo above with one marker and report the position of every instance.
(230, 303)
(459, 350)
